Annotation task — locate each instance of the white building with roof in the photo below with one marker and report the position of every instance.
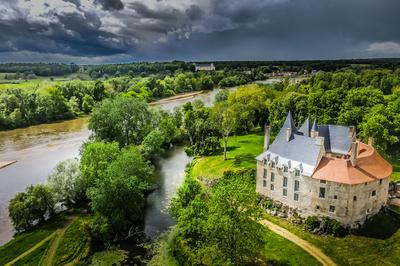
(323, 170)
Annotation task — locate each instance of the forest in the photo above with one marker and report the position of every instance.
(113, 175)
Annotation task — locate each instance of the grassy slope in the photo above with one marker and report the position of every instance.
(396, 168)
(25, 241)
(35, 257)
(73, 244)
(345, 251)
(242, 151)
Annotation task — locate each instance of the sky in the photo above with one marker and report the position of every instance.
(118, 31)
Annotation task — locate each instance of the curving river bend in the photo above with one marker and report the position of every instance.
(39, 148)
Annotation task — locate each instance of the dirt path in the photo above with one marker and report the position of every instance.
(51, 252)
(32, 249)
(310, 248)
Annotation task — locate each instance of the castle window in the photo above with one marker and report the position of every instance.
(272, 186)
(265, 173)
(322, 192)
(265, 161)
(285, 169)
(322, 181)
(355, 198)
(380, 182)
(296, 172)
(264, 183)
(284, 193)
(272, 177)
(317, 207)
(273, 164)
(285, 181)
(331, 208)
(296, 196)
(296, 185)
(335, 197)
(373, 193)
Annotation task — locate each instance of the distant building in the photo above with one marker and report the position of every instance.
(204, 67)
(323, 170)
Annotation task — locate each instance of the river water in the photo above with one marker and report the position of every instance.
(39, 148)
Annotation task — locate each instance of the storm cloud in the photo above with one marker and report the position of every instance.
(98, 31)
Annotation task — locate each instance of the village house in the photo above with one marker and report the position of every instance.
(323, 170)
(204, 67)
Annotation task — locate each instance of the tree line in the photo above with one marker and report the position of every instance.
(20, 107)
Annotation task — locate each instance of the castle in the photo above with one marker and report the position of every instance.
(323, 170)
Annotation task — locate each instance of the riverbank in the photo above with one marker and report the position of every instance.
(7, 163)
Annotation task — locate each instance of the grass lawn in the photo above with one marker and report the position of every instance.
(395, 161)
(352, 249)
(73, 244)
(35, 257)
(25, 241)
(242, 151)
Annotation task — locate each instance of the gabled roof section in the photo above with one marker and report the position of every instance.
(306, 127)
(336, 138)
(314, 126)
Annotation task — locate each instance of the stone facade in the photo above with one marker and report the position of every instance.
(350, 204)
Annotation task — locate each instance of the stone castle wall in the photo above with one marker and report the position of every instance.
(349, 204)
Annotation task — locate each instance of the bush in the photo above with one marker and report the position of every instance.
(312, 222)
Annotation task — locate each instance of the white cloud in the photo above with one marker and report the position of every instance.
(384, 48)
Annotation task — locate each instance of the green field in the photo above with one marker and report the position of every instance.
(242, 151)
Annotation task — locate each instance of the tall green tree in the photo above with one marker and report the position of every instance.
(125, 119)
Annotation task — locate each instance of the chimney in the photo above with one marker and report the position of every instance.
(371, 141)
(314, 134)
(352, 132)
(354, 152)
(319, 140)
(288, 133)
(267, 137)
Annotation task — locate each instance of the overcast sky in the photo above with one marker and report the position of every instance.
(110, 31)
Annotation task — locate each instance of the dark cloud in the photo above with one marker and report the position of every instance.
(111, 4)
(207, 30)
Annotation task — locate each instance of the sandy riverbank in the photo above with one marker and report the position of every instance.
(177, 98)
(7, 163)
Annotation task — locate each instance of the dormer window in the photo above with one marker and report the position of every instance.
(272, 164)
(285, 169)
(296, 172)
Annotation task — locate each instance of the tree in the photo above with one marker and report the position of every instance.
(152, 143)
(26, 208)
(119, 194)
(95, 158)
(125, 119)
(87, 104)
(224, 119)
(222, 228)
(98, 91)
(67, 183)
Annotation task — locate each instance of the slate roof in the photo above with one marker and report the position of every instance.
(301, 149)
(302, 152)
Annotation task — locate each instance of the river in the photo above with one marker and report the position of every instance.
(38, 149)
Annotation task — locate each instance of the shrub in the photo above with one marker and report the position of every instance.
(312, 222)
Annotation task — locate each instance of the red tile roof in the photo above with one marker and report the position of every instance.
(370, 166)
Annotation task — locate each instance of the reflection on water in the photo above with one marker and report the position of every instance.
(170, 172)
